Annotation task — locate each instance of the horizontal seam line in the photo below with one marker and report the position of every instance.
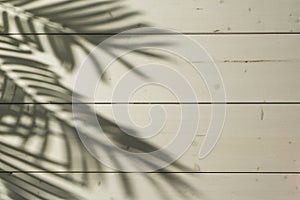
(175, 172)
(185, 33)
(163, 103)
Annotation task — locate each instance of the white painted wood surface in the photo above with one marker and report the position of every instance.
(255, 138)
(254, 68)
(254, 43)
(188, 186)
(201, 16)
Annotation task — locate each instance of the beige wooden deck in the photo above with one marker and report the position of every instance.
(254, 43)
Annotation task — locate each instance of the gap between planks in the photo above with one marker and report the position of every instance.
(185, 33)
(155, 103)
(157, 172)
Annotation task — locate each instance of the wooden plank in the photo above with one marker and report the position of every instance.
(160, 186)
(249, 65)
(221, 15)
(217, 16)
(255, 138)
(256, 68)
(266, 64)
(257, 155)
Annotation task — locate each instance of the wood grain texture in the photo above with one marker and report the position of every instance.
(222, 15)
(255, 45)
(199, 16)
(249, 142)
(189, 186)
(254, 68)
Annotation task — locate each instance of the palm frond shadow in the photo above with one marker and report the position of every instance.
(63, 17)
(32, 133)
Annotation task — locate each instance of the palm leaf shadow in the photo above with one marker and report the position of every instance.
(63, 17)
(33, 122)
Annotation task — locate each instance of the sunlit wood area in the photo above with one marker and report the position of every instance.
(44, 45)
